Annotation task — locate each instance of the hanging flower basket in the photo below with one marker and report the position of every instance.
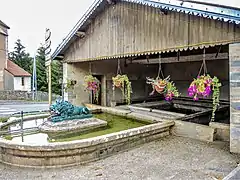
(70, 84)
(122, 82)
(92, 85)
(203, 86)
(164, 86)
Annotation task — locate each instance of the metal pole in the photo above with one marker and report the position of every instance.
(21, 124)
(49, 85)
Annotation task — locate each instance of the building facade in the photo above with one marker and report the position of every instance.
(3, 51)
(137, 35)
(16, 78)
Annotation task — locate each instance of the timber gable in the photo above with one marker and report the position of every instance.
(129, 29)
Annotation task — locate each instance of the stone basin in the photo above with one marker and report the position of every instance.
(63, 128)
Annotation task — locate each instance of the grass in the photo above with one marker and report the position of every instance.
(8, 137)
(115, 124)
(4, 119)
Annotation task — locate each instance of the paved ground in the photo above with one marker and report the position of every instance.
(171, 158)
(8, 108)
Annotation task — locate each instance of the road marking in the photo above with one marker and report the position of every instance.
(7, 111)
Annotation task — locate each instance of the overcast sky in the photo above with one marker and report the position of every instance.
(28, 19)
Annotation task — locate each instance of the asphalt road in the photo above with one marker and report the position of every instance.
(7, 109)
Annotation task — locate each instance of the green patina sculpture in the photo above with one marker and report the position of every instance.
(64, 110)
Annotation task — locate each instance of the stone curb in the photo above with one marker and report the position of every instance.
(233, 175)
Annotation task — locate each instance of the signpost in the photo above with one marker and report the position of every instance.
(48, 61)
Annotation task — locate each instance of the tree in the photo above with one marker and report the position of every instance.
(20, 57)
(56, 76)
(42, 81)
(42, 84)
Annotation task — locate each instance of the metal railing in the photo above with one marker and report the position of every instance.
(22, 130)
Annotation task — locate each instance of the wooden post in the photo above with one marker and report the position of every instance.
(49, 85)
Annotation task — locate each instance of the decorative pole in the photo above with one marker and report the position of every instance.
(48, 61)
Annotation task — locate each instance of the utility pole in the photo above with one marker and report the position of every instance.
(34, 79)
(48, 61)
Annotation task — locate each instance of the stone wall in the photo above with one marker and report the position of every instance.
(234, 64)
(24, 95)
(15, 95)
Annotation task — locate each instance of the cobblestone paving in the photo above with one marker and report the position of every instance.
(172, 158)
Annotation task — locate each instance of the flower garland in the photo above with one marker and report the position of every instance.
(122, 82)
(203, 86)
(164, 86)
(92, 84)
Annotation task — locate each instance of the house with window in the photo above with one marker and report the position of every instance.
(12, 77)
(16, 78)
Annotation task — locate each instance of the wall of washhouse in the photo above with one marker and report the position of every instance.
(181, 73)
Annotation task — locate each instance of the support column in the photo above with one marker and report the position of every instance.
(65, 77)
(234, 78)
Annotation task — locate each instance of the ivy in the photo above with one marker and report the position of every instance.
(122, 82)
(69, 85)
(215, 96)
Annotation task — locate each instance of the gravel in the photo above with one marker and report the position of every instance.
(171, 158)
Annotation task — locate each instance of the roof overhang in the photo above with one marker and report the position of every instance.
(222, 13)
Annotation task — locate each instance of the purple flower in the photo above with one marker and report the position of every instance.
(207, 91)
(195, 98)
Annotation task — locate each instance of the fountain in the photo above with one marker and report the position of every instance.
(67, 119)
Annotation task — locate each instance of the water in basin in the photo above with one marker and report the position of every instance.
(32, 135)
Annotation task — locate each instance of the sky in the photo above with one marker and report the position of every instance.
(28, 19)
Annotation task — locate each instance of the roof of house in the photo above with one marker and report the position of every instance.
(3, 24)
(207, 10)
(15, 70)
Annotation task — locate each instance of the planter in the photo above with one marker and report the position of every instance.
(163, 86)
(92, 85)
(122, 82)
(203, 86)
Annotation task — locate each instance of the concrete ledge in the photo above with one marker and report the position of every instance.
(193, 130)
(222, 131)
(234, 175)
(70, 127)
(80, 151)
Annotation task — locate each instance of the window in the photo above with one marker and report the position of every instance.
(22, 81)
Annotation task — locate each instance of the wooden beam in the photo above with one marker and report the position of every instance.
(190, 58)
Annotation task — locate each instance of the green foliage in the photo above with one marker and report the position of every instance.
(4, 119)
(164, 86)
(20, 57)
(122, 82)
(204, 86)
(70, 84)
(56, 76)
(42, 78)
(215, 96)
(42, 84)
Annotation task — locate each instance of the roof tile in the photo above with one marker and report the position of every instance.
(15, 70)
